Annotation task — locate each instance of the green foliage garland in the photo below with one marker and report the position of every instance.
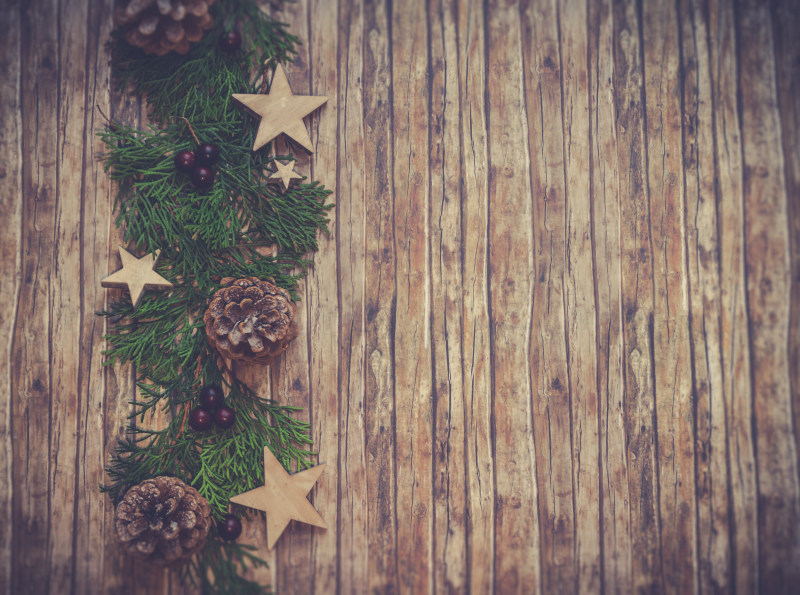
(203, 237)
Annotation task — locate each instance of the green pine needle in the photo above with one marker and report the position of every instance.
(202, 238)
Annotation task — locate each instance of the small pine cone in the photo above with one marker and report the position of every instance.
(163, 520)
(250, 319)
(161, 26)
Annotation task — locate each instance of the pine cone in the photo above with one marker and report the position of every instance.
(250, 319)
(163, 520)
(160, 26)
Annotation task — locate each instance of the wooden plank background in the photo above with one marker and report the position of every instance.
(552, 343)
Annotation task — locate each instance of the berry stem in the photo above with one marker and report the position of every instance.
(191, 130)
(111, 125)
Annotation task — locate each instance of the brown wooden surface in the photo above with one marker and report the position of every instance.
(552, 343)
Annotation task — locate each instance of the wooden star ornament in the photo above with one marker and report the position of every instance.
(136, 275)
(283, 497)
(281, 111)
(285, 173)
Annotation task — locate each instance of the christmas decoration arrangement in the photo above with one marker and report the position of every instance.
(213, 251)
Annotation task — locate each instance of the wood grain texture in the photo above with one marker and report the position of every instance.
(450, 513)
(767, 260)
(579, 296)
(638, 324)
(516, 407)
(11, 207)
(673, 395)
(614, 502)
(550, 344)
(702, 223)
(785, 20)
(476, 369)
(290, 376)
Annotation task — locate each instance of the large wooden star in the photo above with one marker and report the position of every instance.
(283, 497)
(281, 111)
(136, 274)
(285, 173)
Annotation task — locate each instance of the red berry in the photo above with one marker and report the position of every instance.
(203, 177)
(207, 154)
(230, 528)
(230, 41)
(184, 161)
(224, 417)
(200, 419)
(211, 397)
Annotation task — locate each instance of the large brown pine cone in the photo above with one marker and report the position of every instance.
(250, 319)
(161, 26)
(163, 520)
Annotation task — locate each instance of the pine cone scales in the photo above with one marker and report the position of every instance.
(250, 319)
(163, 520)
(160, 26)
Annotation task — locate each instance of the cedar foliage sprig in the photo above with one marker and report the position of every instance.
(202, 238)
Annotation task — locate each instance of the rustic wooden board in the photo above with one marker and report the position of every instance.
(551, 344)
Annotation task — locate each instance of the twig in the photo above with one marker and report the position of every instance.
(191, 130)
(111, 124)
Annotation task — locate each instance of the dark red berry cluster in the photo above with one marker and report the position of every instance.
(198, 164)
(211, 410)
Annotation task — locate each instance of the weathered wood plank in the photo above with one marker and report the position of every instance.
(356, 507)
(445, 216)
(671, 348)
(322, 293)
(785, 24)
(549, 369)
(67, 296)
(637, 301)
(413, 440)
(579, 294)
(703, 258)
(381, 302)
(614, 499)
(767, 257)
(11, 207)
(735, 332)
(476, 361)
(32, 376)
(290, 374)
(102, 415)
(510, 266)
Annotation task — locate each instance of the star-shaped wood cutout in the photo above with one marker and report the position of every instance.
(136, 274)
(281, 111)
(285, 173)
(283, 497)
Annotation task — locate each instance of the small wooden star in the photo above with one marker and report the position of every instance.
(136, 274)
(283, 497)
(281, 111)
(285, 173)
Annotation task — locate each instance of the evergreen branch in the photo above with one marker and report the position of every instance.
(203, 237)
